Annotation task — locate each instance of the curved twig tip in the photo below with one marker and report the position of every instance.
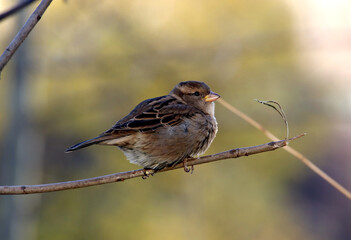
(271, 103)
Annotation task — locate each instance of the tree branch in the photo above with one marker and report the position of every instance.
(23, 33)
(118, 177)
(289, 149)
(16, 8)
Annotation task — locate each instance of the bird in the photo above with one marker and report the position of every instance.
(164, 131)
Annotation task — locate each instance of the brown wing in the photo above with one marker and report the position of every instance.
(152, 114)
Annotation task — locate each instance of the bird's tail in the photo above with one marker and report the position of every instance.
(87, 143)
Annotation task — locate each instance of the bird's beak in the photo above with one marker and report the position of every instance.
(211, 97)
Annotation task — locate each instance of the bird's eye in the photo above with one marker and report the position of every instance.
(196, 93)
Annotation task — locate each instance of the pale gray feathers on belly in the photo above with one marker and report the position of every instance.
(169, 143)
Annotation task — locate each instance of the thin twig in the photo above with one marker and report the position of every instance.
(289, 149)
(23, 33)
(280, 111)
(117, 177)
(15, 9)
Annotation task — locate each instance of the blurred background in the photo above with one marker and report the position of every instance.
(88, 63)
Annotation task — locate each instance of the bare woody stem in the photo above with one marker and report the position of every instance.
(117, 177)
(23, 33)
(16, 8)
(289, 149)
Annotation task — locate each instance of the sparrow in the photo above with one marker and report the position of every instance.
(163, 131)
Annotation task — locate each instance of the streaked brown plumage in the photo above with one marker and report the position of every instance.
(163, 131)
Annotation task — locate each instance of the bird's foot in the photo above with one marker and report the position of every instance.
(186, 168)
(147, 173)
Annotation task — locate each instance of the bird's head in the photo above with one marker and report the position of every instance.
(196, 94)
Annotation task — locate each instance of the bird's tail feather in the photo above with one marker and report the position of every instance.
(87, 143)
